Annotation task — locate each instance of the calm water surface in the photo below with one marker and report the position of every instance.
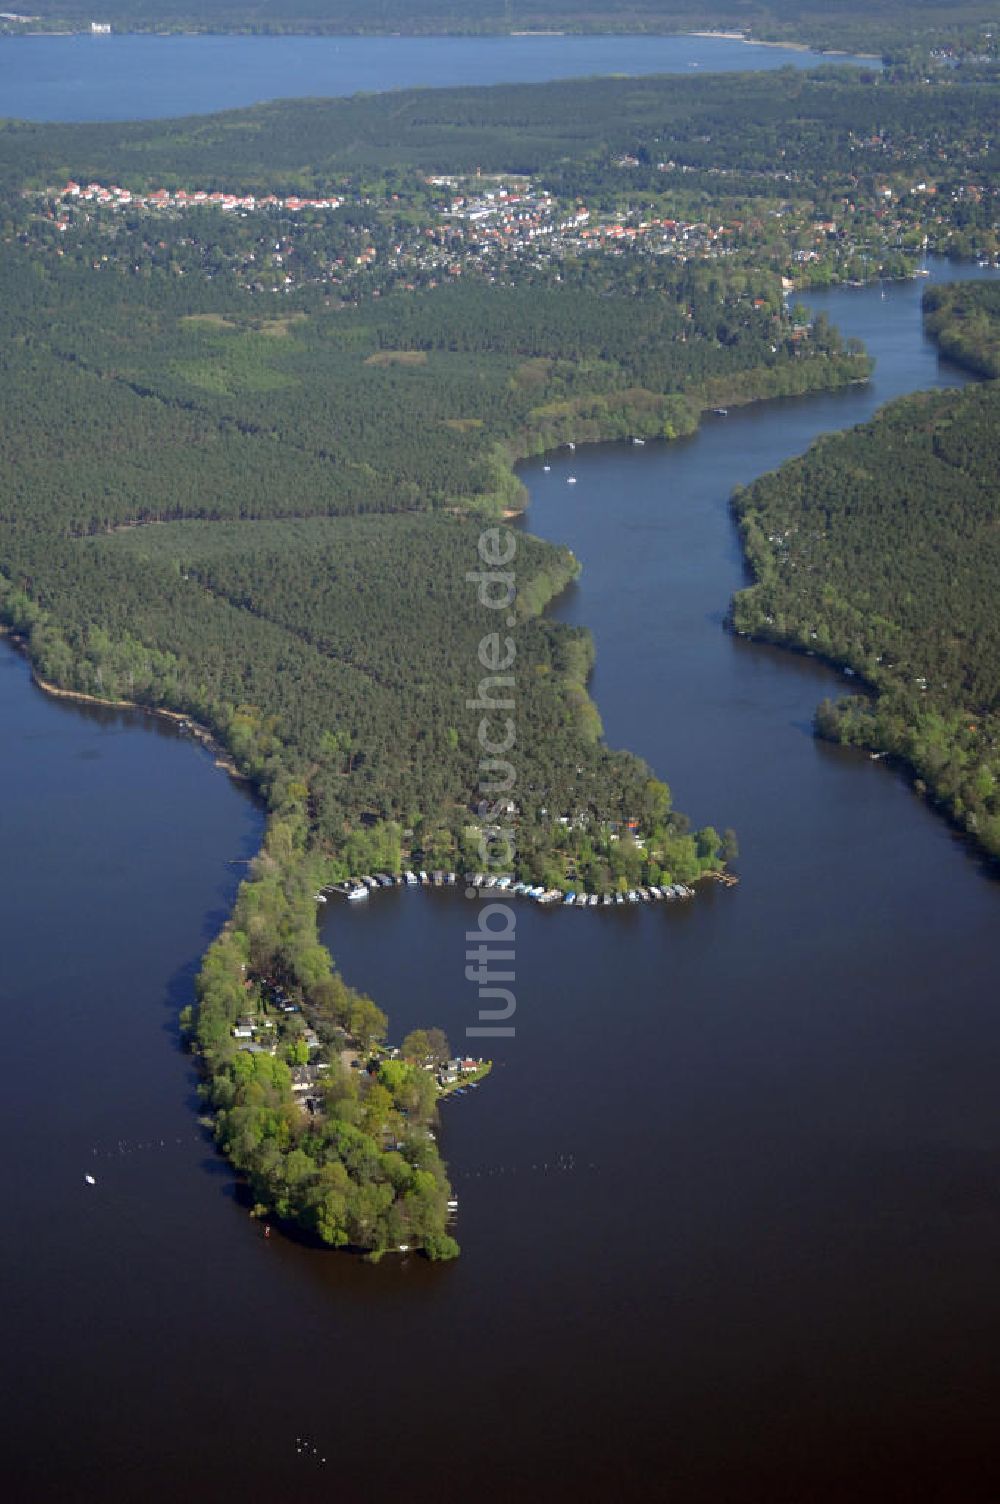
(132, 77)
(729, 1202)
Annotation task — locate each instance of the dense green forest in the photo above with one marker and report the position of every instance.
(265, 517)
(964, 318)
(239, 490)
(326, 631)
(879, 551)
(831, 125)
(127, 401)
(287, 637)
(823, 23)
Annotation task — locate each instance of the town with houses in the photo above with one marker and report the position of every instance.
(472, 224)
(363, 241)
(161, 199)
(274, 1024)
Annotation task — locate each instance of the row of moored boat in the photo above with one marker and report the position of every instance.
(358, 888)
(653, 894)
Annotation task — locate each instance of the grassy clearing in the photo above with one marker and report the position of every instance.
(397, 358)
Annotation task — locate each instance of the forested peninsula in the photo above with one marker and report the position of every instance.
(964, 319)
(878, 550)
(263, 381)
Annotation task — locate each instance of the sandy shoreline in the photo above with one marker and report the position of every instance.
(200, 733)
(739, 36)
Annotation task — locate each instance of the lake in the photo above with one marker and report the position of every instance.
(728, 1203)
(132, 77)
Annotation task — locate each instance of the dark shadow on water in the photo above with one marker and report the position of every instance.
(219, 1168)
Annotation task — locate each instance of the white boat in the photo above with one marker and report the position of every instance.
(546, 468)
(90, 1180)
(355, 893)
(571, 480)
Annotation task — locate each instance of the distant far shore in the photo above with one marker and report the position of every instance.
(739, 36)
(26, 28)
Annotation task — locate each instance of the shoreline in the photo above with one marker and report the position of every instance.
(466, 35)
(200, 733)
(83, 698)
(921, 784)
(702, 403)
(739, 36)
(748, 41)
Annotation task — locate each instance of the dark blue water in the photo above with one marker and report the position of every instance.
(728, 1202)
(132, 77)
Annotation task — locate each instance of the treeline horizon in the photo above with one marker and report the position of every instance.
(807, 123)
(848, 24)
